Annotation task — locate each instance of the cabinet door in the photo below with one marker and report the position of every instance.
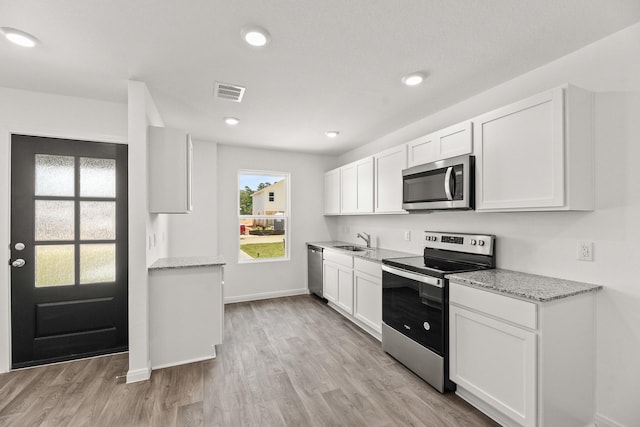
(422, 150)
(330, 281)
(357, 187)
(368, 300)
(349, 189)
(454, 141)
(388, 179)
(520, 154)
(345, 289)
(170, 154)
(494, 361)
(332, 192)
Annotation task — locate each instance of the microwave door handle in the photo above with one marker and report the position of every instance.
(447, 183)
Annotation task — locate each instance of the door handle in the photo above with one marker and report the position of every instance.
(18, 263)
(447, 183)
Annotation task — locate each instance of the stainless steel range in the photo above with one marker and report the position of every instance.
(415, 301)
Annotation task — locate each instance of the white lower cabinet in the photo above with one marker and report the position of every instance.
(338, 279)
(506, 382)
(367, 278)
(186, 314)
(345, 290)
(330, 281)
(523, 363)
(353, 287)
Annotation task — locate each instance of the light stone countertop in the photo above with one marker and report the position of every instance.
(188, 262)
(371, 254)
(523, 285)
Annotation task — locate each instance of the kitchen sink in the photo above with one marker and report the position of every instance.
(350, 248)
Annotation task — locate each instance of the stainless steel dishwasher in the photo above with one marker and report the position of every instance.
(314, 266)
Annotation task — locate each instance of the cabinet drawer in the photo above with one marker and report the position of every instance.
(368, 267)
(513, 310)
(338, 258)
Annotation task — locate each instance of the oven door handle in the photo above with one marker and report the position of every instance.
(447, 183)
(433, 281)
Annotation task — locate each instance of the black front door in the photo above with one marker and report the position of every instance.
(69, 231)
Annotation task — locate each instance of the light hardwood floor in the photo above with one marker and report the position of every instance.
(284, 362)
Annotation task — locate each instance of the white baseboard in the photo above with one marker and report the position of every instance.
(602, 421)
(139, 375)
(266, 295)
(184, 362)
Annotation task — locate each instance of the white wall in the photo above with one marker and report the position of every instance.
(196, 233)
(270, 279)
(43, 114)
(545, 243)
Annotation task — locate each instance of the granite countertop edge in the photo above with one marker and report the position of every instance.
(370, 254)
(523, 285)
(187, 262)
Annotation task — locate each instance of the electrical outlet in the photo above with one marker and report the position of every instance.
(584, 250)
(407, 235)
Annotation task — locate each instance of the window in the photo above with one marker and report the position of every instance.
(263, 216)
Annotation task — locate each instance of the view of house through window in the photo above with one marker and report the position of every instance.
(263, 204)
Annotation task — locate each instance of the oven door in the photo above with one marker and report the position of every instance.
(445, 184)
(413, 304)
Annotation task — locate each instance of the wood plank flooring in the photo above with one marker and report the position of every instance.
(284, 362)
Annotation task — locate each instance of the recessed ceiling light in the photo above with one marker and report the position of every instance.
(231, 121)
(19, 37)
(413, 79)
(255, 36)
(332, 133)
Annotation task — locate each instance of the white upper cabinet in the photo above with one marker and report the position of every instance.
(422, 150)
(356, 183)
(388, 179)
(332, 192)
(452, 141)
(536, 154)
(170, 155)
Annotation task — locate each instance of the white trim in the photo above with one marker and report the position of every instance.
(139, 375)
(266, 295)
(602, 421)
(184, 362)
(6, 132)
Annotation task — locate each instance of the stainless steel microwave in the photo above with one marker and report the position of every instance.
(445, 184)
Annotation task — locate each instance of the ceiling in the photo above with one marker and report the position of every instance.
(330, 65)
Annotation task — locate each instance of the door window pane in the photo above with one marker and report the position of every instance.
(54, 175)
(54, 220)
(97, 220)
(97, 177)
(55, 265)
(97, 263)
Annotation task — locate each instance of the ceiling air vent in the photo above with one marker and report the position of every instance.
(229, 91)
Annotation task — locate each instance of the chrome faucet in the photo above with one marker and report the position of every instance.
(366, 238)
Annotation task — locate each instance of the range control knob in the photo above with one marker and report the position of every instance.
(481, 242)
(473, 242)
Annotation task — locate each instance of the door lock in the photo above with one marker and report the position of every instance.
(18, 263)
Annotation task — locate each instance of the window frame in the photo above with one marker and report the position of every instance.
(286, 217)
